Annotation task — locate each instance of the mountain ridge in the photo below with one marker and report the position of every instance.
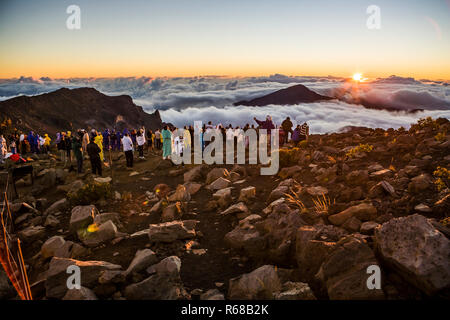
(71, 109)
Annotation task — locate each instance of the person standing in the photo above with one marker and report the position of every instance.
(304, 131)
(47, 141)
(98, 139)
(62, 147)
(3, 149)
(286, 125)
(128, 149)
(93, 151)
(158, 139)
(150, 137)
(68, 140)
(167, 142)
(78, 152)
(85, 141)
(267, 124)
(140, 140)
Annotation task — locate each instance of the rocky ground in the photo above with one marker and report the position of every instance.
(340, 203)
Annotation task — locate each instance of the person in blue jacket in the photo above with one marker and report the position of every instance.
(106, 139)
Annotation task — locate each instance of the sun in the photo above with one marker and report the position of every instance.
(357, 77)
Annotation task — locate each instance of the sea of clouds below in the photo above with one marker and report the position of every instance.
(182, 101)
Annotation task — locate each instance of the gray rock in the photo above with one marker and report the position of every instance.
(171, 231)
(82, 217)
(412, 246)
(261, 283)
(212, 294)
(106, 232)
(344, 272)
(143, 259)
(50, 246)
(56, 283)
(58, 206)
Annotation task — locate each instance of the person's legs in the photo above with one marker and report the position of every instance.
(129, 158)
(93, 166)
(80, 164)
(99, 167)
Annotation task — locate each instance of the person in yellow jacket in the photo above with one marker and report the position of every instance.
(47, 141)
(98, 140)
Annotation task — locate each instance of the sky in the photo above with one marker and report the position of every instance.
(235, 38)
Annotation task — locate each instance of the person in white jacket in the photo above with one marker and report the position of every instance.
(128, 149)
(140, 140)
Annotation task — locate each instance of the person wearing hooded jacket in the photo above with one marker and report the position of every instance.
(78, 152)
(98, 139)
(93, 151)
(47, 141)
(68, 140)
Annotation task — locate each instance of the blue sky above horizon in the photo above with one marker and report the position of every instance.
(235, 38)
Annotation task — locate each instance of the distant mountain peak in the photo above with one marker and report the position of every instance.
(292, 95)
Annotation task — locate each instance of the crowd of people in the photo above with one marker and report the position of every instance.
(83, 144)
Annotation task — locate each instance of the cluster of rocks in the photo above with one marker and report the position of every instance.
(324, 221)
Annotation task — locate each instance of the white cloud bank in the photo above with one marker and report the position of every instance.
(184, 100)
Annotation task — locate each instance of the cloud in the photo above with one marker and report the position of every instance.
(322, 117)
(404, 97)
(183, 100)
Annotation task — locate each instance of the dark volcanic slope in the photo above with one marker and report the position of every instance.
(292, 95)
(66, 109)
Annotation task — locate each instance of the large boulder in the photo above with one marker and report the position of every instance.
(417, 250)
(344, 272)
(313, 244)
(171, 231)
(261, 283)
(56, 282)
(82, 217)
